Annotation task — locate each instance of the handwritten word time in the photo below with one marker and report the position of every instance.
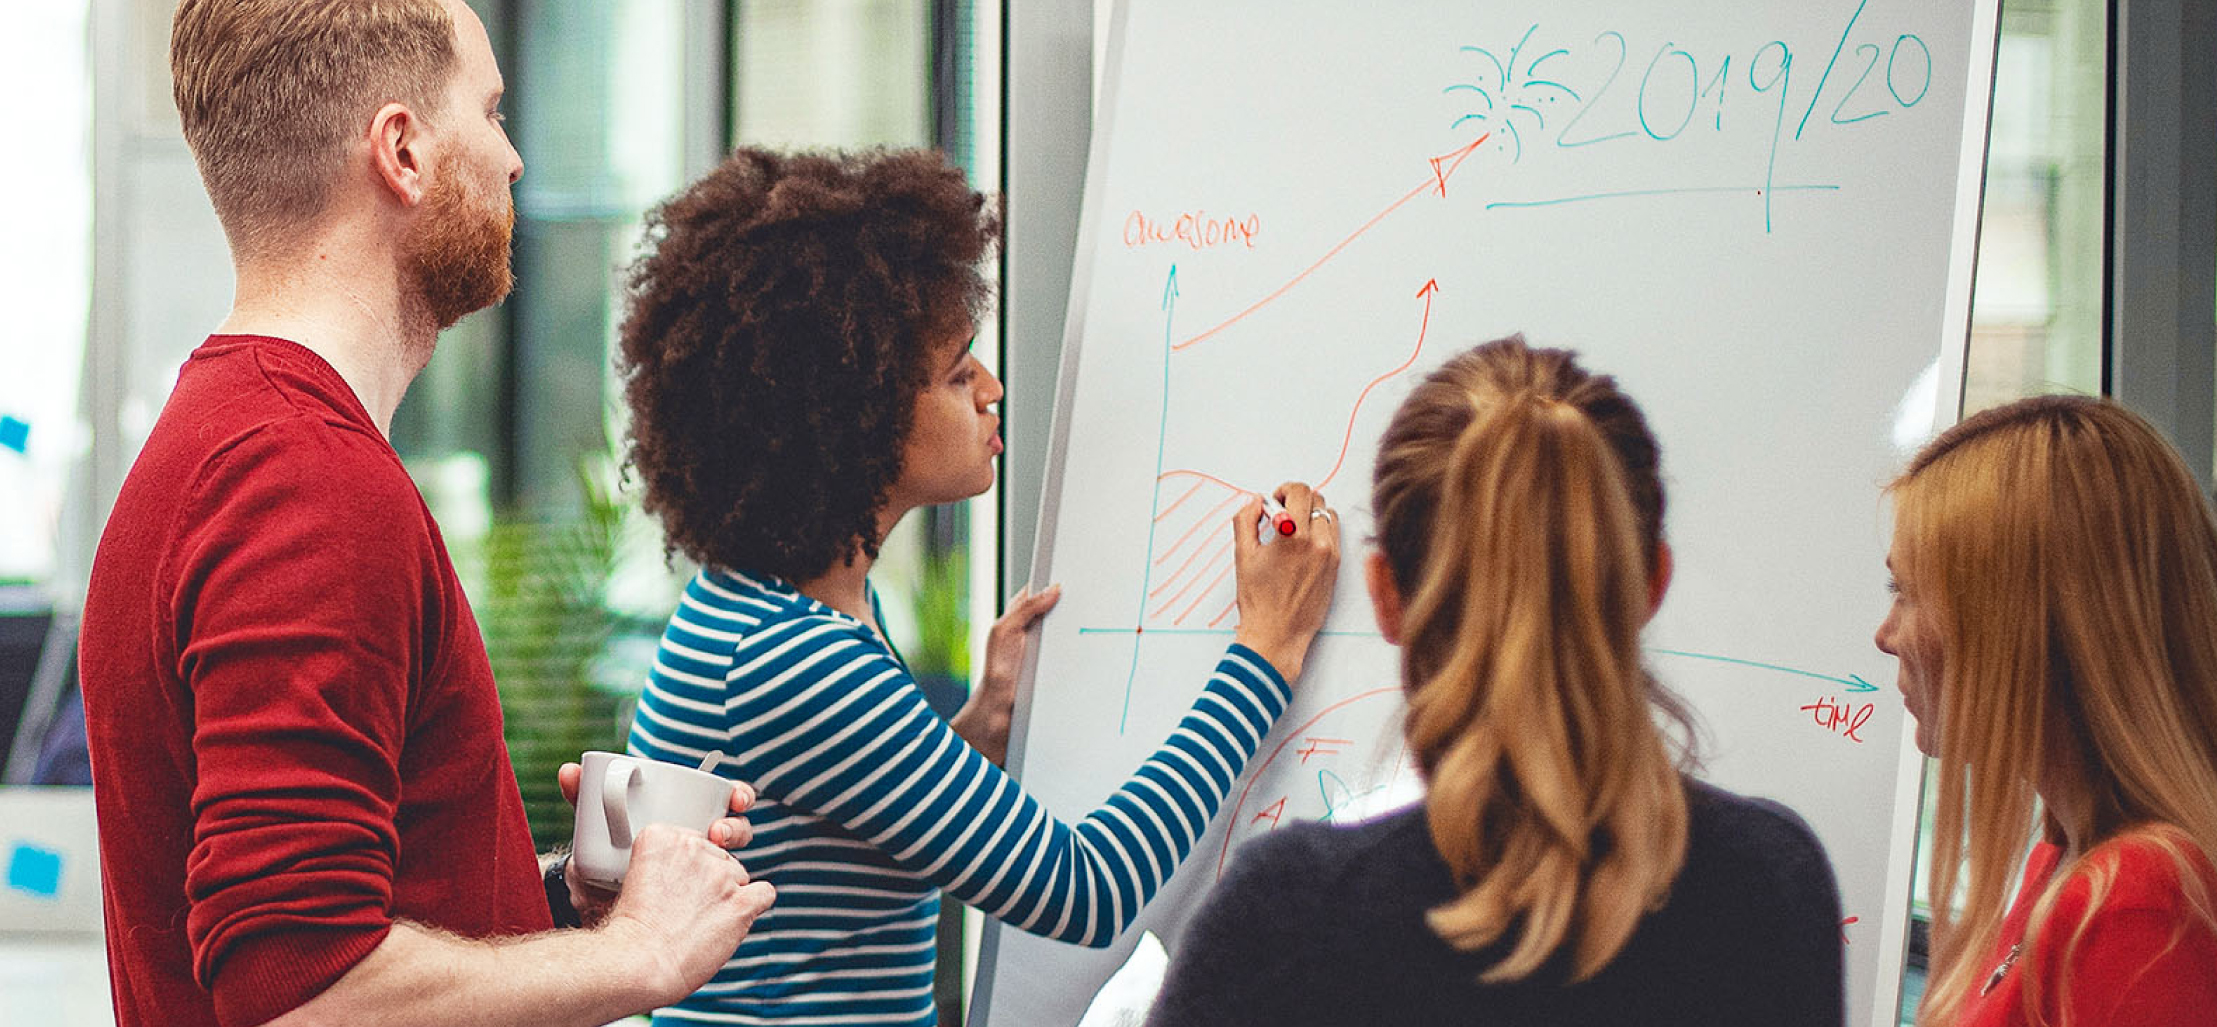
(1840, 716)
(1195, 230)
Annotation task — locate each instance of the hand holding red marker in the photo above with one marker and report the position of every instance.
(1285, 577)
(1273, 515)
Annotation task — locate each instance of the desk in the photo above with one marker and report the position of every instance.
(54, 982)
(53, 966)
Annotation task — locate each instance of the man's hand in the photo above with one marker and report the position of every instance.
(732, 832)
(984, 720)
(685, 906)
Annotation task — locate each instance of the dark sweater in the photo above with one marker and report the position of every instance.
(294, 732)
(1320, 924)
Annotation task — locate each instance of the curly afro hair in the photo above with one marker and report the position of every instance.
(782, 321)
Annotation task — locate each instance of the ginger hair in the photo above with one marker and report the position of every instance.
(272, 94)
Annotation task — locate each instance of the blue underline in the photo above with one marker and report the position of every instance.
(1630, 193)
(1213, 631)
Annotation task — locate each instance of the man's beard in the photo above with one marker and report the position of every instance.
(458, 260)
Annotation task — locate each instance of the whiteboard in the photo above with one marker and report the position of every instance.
(1760, 218)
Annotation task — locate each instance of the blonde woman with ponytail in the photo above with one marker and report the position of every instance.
(1562, 869)
(2055, 617)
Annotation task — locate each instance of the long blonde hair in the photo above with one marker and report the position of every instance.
(1518, 504)
(2069, 563)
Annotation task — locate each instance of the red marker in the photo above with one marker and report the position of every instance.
(1274, 512)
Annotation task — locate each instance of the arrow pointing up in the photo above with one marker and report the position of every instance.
(1170, 288)
(1431, 288)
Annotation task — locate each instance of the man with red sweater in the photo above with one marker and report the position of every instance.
(307, 814)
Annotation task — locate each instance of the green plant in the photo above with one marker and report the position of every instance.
(943, 613)
(546, 621)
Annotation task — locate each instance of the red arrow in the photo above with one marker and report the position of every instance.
(1453, 161)
(1442, 167)
(1430, 289)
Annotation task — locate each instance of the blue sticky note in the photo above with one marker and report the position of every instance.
(35, 870)
(15, 433)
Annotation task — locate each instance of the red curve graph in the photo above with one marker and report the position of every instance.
(1195, 552)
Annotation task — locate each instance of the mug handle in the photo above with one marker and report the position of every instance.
(615, 800)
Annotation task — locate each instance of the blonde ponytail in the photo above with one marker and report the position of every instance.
(1522, 551)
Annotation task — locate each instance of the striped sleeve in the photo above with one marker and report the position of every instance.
(832, 725)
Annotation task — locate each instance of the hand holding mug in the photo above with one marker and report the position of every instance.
(659, 831)
(618, 795)
(730, 832)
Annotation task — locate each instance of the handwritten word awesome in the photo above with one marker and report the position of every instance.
(1194, 230)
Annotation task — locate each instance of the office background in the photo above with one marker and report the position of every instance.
(2095, 274)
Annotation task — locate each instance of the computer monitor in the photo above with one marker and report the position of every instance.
(35, 651)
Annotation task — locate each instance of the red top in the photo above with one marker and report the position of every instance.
(2144, 961)
(295, 735)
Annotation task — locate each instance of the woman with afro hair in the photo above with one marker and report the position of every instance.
(796, 359)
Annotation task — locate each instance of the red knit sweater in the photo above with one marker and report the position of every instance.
(2145, 960)
(295, 735)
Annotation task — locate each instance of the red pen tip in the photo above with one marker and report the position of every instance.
(1285, 525)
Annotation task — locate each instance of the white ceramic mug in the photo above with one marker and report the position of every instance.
(620, 795)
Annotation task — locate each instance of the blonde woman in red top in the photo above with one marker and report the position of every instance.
(2055, 616)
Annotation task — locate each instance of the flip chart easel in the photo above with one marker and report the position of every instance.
(1760, 219)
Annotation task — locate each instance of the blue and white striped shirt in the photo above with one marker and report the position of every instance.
(870, 804)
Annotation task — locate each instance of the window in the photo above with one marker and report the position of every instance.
(45, 438)
(511, 431)
(2037, 310)
(48, 283)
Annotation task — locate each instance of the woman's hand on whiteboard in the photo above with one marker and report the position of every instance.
(1285, 585)
(984, 720)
